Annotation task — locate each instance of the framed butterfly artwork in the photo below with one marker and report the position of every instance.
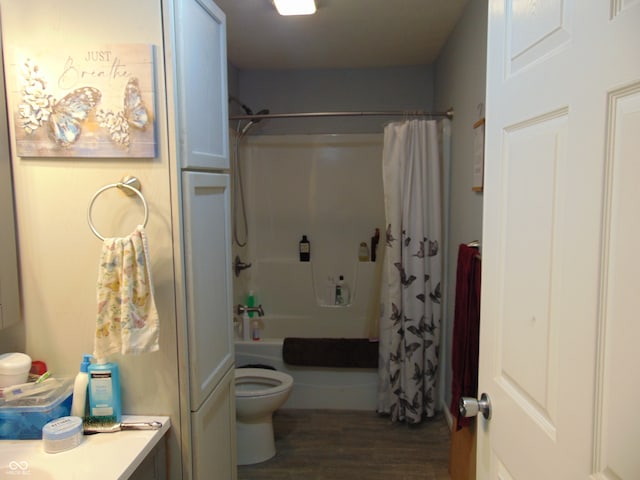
(91, 101)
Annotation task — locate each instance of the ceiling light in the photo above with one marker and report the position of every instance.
(295, 7)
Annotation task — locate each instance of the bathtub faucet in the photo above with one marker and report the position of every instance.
(239, 265)
(245, 308)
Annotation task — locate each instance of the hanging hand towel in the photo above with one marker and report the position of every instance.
(466, 331)
(127, 320)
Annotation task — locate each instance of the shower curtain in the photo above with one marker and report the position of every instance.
(410, 308)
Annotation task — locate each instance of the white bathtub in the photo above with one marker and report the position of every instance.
(314, 387)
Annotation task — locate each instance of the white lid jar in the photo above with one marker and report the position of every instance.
(14, 368)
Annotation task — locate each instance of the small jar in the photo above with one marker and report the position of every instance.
(363, 252)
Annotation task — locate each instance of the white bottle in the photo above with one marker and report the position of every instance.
(255, 329)
(339, 291)
(346, 293)
(331, 291)
(246, 327)
(80, 384)
(342, 292)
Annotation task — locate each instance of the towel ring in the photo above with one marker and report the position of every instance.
(132, 184)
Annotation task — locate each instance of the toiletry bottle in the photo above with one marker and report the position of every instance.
(374, 244)
(339, 300)
(305, 249)
(331, 291)
(255, 329)
(363, 252)
(246, 326)
(251, 302)
(80, 386)
(104, 391)
(346, 294)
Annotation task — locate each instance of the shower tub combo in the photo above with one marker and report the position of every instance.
(329, 188)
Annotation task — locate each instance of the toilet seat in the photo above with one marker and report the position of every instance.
(260, 382)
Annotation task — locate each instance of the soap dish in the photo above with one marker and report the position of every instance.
(62, 434)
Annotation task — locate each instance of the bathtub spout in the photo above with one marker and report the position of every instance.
(245, 308)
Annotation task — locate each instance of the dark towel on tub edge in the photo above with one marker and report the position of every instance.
(331, 352)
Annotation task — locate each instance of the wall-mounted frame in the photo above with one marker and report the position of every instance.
(89, 101)
(478, 156)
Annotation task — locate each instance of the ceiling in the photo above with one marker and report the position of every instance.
(341, 34)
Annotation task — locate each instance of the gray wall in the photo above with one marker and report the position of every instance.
(460, 82)
(293, 91)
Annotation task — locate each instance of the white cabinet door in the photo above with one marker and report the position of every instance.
(9, 291)
(214, 434)
(207, 242)
(559, 328)
(201, 63)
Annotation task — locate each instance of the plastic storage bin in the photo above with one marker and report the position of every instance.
(23, 419)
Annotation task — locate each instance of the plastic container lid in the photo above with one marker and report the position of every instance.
(13, 363)
(14, 369)
(62, 434)
(46, 400)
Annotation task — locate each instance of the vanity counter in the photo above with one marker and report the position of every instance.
(100, 456)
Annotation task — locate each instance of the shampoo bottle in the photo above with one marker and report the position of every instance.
(305, 249)
(251, 302)
(255, 329)
(342, 292)
(374, 244)
(104, 391)
(339, 298)
(331, 291)
(80, 385)
(246, 327)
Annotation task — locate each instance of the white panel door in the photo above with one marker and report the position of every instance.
(560, 296)
(201, 63)
(207, 241)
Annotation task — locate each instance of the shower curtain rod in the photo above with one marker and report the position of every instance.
(448, 114)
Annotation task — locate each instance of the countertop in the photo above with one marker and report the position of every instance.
(105, 456)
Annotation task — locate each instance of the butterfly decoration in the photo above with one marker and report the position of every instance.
(66, 115)
(63, 117)
(135, 110)
(134, 114)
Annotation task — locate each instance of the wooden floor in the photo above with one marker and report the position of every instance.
(353, 445)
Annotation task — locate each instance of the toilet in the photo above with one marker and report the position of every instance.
(259, 393)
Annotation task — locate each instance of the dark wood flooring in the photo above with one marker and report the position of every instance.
(353, 445)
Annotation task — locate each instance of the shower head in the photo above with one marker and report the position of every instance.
(252, 122)
(246, 109)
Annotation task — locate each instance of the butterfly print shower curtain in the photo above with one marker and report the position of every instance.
(410, 297)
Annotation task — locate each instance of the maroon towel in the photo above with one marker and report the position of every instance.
(466, 331)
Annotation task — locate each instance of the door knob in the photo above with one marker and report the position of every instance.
(470, 407)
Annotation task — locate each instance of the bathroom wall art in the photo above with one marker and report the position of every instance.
(88, 101)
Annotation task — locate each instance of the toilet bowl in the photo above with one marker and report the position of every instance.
(259, 393)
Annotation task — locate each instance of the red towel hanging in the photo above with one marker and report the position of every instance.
(466, 331)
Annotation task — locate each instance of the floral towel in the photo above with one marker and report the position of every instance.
(127, 319)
